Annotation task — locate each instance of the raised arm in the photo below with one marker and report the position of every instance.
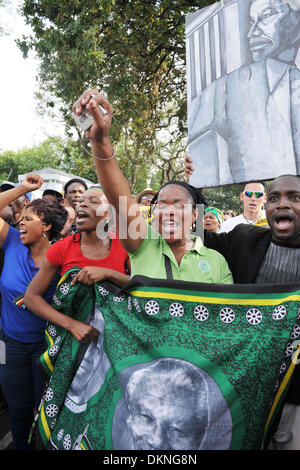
(111, 178)
(32, 182)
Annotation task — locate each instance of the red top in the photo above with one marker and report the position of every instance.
(66, 254)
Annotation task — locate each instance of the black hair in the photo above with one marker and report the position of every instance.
(195, 193)
(53, 192)
(74, 180)
(283, 176)
(51, 213)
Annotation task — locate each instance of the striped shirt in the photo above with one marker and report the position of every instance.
(280, 265)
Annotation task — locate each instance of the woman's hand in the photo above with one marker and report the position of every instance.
(82, 332)
(32, 182)
(90, 274)
(90, 99)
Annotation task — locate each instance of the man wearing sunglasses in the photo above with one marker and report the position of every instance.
(253, 198)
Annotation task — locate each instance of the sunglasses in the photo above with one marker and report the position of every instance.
(257, 194)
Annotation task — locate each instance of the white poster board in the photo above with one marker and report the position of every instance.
(243, 91)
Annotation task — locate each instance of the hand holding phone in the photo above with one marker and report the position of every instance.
(85, 119)
(95, 112)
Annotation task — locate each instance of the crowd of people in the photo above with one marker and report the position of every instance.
(47, 242)
(253, 198)
(265, 254)
(41, 239)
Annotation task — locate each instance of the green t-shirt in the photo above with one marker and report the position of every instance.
(200, 264)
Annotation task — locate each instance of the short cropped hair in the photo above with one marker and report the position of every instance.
(74, 180)
(257, 182)
(52, 213)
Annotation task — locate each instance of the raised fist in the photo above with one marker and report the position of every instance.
(32, 182)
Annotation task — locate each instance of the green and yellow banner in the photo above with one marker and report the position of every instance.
(177, 365)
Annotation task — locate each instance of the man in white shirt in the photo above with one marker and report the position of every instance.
(253, 198)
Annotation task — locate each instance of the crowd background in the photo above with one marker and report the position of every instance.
(149, 134)
(252, 198)
(76, 208)
(74, 199)
(142, 70)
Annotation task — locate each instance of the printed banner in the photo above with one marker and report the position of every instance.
(177, 365)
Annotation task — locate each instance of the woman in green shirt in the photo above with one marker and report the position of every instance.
(165, 249)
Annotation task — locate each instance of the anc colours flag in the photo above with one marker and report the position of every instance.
(177, 365)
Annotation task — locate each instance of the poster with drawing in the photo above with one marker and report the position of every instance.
(243, 91)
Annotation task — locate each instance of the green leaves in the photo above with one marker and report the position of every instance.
(54, 152)
(133, 50)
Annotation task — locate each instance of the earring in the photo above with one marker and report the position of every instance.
(44, 235)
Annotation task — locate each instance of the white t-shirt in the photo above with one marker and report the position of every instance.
(232, 222)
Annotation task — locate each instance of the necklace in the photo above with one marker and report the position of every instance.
(248, 221)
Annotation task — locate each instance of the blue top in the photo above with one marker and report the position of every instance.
(19, 323)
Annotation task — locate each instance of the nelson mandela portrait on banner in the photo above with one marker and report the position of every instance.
(244, 91)
(170, 404)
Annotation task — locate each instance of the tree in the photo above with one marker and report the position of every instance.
(224, 198)
(227, 197)
(3, 3)
(53, 152)
(134, 50)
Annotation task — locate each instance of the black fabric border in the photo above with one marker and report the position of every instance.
(143, 281)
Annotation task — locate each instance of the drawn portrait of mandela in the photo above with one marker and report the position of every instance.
(244, 91)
